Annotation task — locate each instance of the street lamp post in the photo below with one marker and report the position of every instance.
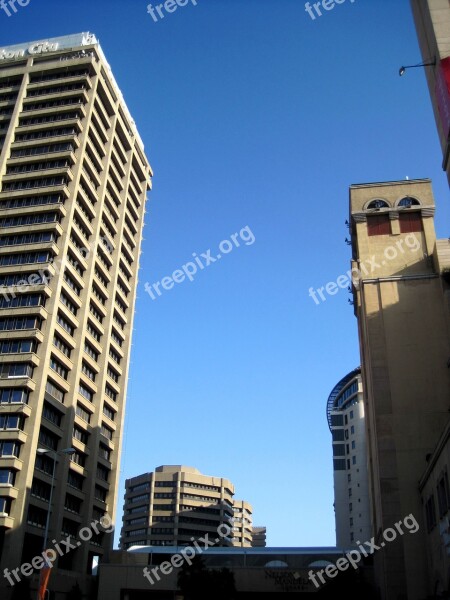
(54, 454)
(429, 63)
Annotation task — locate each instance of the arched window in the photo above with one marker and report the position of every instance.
(378, 204)
(408, 201)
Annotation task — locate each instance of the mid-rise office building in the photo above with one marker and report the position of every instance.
(432, 18)
(345, 414)
(242, 524)
(259, 534)
(73, 186)
(401, 301)
(175, 504)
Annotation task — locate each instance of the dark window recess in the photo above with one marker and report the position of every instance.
(378, 225)
(443, 495)
(430, 513)
(410, 222)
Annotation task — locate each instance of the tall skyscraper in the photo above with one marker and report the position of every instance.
(432, 18)
(345, 413)
(401, 300)
(73, 185)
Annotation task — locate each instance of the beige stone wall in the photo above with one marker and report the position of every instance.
(403, 322)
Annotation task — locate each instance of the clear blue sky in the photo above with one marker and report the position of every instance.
(253, 115)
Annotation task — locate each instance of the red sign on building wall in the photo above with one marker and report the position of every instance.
(443, 93)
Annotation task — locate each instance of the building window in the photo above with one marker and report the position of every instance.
(51, 414)
(110, 393)
(430, 513)
(36, 516)
(48, 439)
(78, 458)
(95, 312)
(5, 506)
(104, 452)
(11, 422)
(353, 444)
(94, 332)
(15, 370)
(44, 463)
(23, 301)
(75, 480)
(62, 346)
(83, 414)
(7, 476)
(83, 391)
(408, 201)
(90, 373)
(100, 494)
(58, 368)
(13, 396)
(353, 460)
(65, 324)
(68, 304)
(112, 374)
(378, 225)
(351, 414)
(72, 504)
(80, 435)
(102, 472)
(90, 351)
(410, 222)
(443, 495)
(19, 323)
(54, 391)
(108, 412)
(378, 204)
(106, 431)
(352, 429)
(10, 449)
(40, 490)
(338, 450)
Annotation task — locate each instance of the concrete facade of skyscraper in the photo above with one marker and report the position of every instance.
(174, 505)
(345, 413)
(73, 186)
(432, 19)
(401, 301)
